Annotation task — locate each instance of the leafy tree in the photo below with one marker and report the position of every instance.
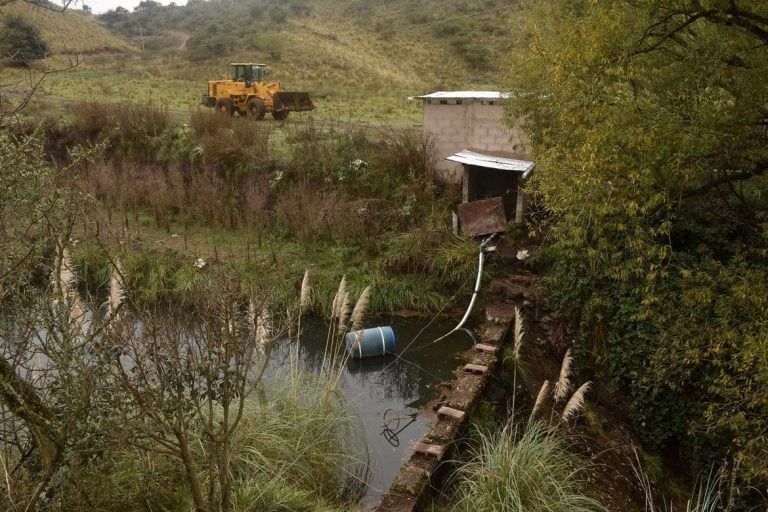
(22, 41)
(147, 5)
(114, 16)
(271, 44)
(647, 120)
(51, 428)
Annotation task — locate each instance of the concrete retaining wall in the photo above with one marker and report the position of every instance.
(425, 466)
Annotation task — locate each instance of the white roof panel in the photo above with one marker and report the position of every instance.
(492, 162)
(465, 95)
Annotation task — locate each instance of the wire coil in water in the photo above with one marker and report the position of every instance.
(391, 428)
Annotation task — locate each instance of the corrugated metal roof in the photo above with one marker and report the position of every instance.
(464, 95)
(492, 162)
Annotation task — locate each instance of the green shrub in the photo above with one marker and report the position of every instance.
(22, 42)
(476, 55)
(300, 8)
(141, 129)
(658, 234)
(136, 131)
(270, 44)
(207, 44)
(452, 27)
(256, 12)
(408, 156)
(278, 14)
(36, 207)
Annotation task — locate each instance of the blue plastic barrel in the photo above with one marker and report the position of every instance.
(375, 341)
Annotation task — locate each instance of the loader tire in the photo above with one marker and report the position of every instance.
(280, 115)
(255, 108)
(225, 106)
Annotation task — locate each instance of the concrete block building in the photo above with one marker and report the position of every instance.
(476, 148)
(468, 120)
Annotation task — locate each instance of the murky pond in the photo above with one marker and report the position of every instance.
(387, 392)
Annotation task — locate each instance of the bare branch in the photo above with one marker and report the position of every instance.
(8, 110)
(658, 32)
(671, 34)
(42, 4)
(730, 177)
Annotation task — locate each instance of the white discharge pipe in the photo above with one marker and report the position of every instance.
(481, 261)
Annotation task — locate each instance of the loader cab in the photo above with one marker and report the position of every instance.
(247, 72)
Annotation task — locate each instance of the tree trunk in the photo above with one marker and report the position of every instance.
(191, 472)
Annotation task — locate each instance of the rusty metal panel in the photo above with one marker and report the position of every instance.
(483, 217)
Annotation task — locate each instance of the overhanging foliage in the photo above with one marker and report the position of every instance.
(648, 122)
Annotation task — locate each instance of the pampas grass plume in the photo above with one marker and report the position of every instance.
(361, 309)
(76, 311)
(563, 384)
(116, 288)
(264, 328)
(519, 332)
(252, 318)
(576, 402)
(306, 289)
(543, 392)
(65, 275)
(345, 307)
(339, 298)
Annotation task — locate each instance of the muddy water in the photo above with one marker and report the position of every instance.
(387, 392)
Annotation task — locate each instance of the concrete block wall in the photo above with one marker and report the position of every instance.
(423, 470)
(469, 124)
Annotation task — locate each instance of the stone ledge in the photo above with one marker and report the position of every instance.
(450, 412)
(460, 397)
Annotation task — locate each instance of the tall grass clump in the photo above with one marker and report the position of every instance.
(231, 144)
(710, 494)
(142, 128)
(296, 450)
(133, 130)
(431, 253)
(528, 472)
(409, 153)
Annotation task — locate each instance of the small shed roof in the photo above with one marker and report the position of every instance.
(467, 157)
(464, 95)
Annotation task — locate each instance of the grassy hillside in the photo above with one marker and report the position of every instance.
(359, 43)
(70, 32)
(358, 59)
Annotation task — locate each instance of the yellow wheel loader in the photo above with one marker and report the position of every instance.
(248, 94)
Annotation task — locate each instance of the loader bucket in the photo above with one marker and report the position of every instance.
(294, 101)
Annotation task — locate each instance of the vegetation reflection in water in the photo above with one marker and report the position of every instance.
(386, 393)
